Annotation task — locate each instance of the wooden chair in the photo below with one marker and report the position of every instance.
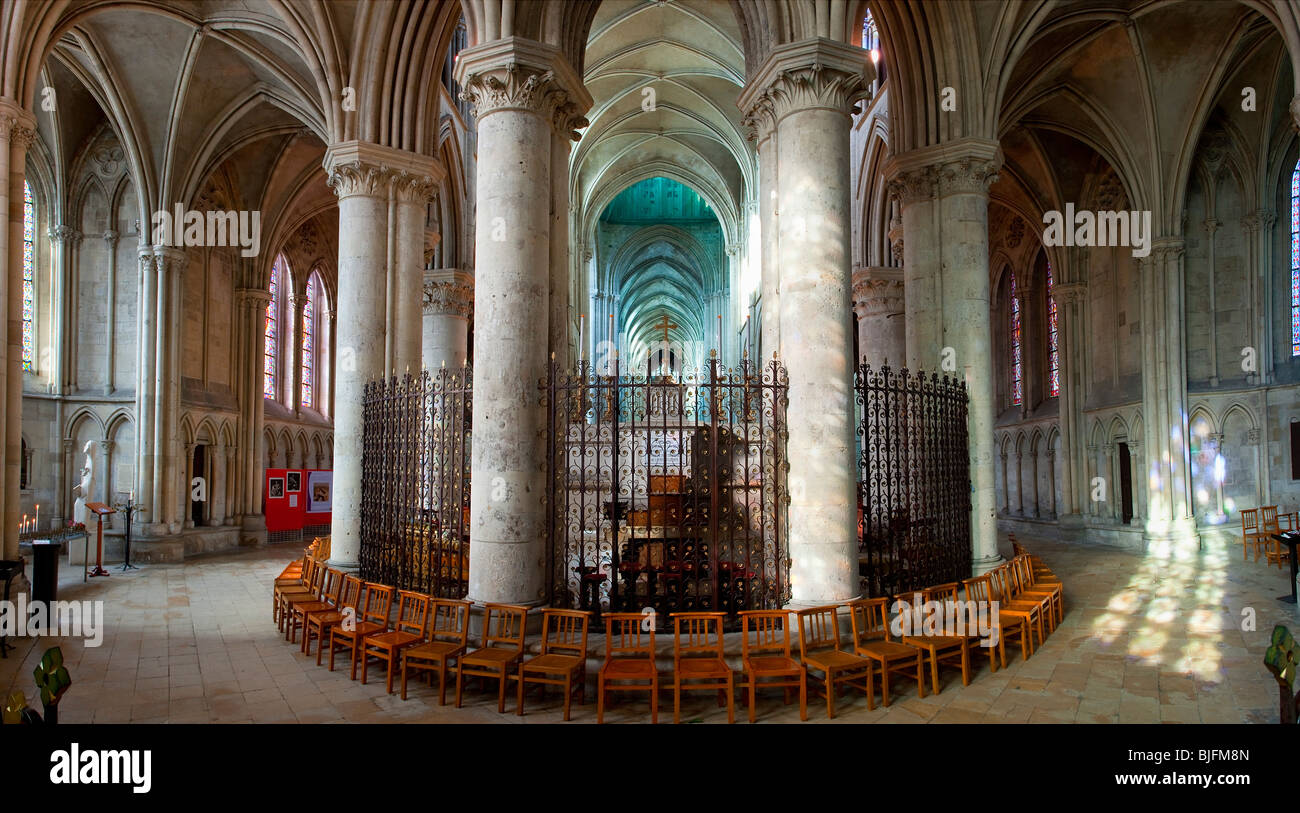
(1049, 591)
(819, 649)
(1250, 533)
(699, 662)
(871, 639)
(316, 624)
(372, 617)
(409, 629)
(1015, 627)
(307, 585)
(563, 661)
(298, 607)
(945, 646)
(629, 659)
(1269, 524)
(767, 655)
(448, 637)
(291, 576)
(503, 646)
(1001, 586)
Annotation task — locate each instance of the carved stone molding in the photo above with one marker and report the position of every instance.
(760, 120)
(253, 298)
(1168, 249)
(513, 87)
(807, 75)
(356, 178)
(1068, 292)
(111, 238)
(568, 120)
(1253, 436)
(449, 292)
(895, 237)
(409, 187)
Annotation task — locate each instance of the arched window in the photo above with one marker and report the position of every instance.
(314, 339)
(1017, 379)
(271, 346)
(29, 278)
(1295, 261)
(1053, 356)
(871, 43)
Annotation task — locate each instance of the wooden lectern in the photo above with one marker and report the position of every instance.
(100, 510)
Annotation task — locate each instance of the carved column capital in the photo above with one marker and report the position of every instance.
(523, 75)
(877, 292)
(808, 75)
(64, 234)
(372, 170)
(111, 238)
(914, 185)
(449, 292)
(968, 176)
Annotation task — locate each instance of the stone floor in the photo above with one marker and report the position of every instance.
(1148, 637)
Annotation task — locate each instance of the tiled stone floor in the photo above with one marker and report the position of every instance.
(1148, 637)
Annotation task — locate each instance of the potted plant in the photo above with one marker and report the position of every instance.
(53, 680)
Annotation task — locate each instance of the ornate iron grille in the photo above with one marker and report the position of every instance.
(914, 495)
(415, 482)
(668, 491)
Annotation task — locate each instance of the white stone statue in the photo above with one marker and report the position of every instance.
(85, 490)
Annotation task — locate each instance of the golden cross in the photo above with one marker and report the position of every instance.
(664, 325)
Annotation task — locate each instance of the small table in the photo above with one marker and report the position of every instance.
(1290, 539)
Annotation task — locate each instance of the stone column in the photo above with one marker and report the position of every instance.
(915, 188)
(1139, 486)
(1164, 394)
(448, 303)
(110, 321)
(412, 192)
(168, 266)
(62, 239)
(251, 311)
(1051, 482)
(812, 87)
(520, 90)
(104, 491)
(1068, 298)
(217, 488)
(146, 361)
(1092, 509)
(232, 484)
(761, 119)
(878, 303)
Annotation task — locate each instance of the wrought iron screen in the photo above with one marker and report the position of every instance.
(914, 492)
(668, 491)
(415, 482)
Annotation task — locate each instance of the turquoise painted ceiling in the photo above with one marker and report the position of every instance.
(658, 200)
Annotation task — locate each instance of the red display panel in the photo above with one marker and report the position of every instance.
(288, 494)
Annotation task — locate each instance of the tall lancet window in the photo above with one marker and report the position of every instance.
(1295, 261)
(312, 340)
(271, 348)
(29, 278)
(1053, 356)
(1017, 379)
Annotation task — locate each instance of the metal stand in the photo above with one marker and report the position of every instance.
(128, 508)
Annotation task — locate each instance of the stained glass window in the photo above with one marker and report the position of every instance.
(29, 278)
(1017, 381)
(1053, 356)
(1295, 261)
(272, 346)
(309, 340)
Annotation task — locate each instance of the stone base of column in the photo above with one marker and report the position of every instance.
(984, 564)
(252, 530)
(156, 551)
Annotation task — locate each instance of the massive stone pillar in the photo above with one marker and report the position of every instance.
(448, 303)
(1164, 396)
(520, 90)
(369, 181)
(1069, 304)
(943, 192)
(250, 306)
(878, 304)
(812, 87)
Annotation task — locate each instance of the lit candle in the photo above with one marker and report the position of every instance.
(37, 521)
(25, 523)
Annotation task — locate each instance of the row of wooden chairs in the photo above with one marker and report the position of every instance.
(1258, 525)
(431, 636)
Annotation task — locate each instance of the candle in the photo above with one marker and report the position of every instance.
(719, 335)
(582, 334)
(26, 525)
(37, 521)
